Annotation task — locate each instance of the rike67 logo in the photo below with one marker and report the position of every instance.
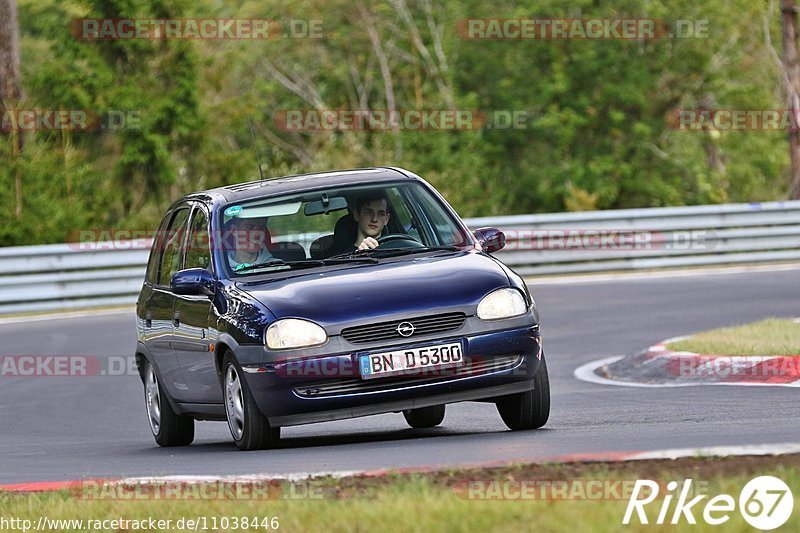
(765, 503)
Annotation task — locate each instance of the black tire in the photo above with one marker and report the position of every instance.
(170, 428)
(425, 417)
(530, 409)
(250, 429)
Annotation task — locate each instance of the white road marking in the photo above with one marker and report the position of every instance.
(72, 314)
(587, 373)
(676, 339)
(188, 479)
(720, 451)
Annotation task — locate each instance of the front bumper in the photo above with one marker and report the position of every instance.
(329, 387)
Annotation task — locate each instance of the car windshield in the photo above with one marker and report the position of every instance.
(327, 226)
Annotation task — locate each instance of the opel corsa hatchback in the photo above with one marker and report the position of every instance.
(329, 296)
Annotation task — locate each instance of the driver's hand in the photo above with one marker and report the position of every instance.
(368, 244)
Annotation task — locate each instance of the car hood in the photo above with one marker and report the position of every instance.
(396, 287)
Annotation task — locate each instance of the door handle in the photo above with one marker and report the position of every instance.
(176, 319)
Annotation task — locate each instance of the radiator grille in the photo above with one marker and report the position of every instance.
(424, 325)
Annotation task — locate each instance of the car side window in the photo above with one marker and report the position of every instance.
(197, 254)
(173, 239)
(445, 232)
(404, 218)
(155, 252)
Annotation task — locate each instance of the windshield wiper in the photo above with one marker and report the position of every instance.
(449, 248)
(303, 263)
(241, 267)
(384, 252)
(340, 260)
(353, 255)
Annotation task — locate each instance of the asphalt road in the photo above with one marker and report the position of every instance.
(57, 428)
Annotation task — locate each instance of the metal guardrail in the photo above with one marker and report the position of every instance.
(669, 237)
(70, 276)
(65, 276)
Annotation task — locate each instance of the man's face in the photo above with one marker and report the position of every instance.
(372, 218)
(251, 234)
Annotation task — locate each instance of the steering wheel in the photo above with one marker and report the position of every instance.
(399, 240)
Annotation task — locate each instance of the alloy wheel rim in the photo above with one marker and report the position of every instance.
(153, 400)
(234, 402)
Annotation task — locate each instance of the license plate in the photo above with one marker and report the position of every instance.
(410, 360)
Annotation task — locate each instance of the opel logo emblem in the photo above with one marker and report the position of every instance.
(405, 329)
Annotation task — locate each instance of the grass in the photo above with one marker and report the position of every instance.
(768, 337)
(420, 502)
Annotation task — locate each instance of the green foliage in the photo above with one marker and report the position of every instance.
(597, 131)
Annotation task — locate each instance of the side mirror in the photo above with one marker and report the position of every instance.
(192, 282)
(490, 239)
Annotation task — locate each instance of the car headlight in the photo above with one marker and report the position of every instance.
(502, 303)
(294, 333)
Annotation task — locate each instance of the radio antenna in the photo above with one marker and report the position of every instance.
(255, 147)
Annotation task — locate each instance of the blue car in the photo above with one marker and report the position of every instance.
(328, 296)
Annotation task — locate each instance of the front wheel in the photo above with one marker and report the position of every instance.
(529, 409)
(168, 427)
(250, 429)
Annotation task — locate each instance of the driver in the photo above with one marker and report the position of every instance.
(371, 214)
(249, 242)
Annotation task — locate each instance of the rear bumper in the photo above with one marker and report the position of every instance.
(328, 388)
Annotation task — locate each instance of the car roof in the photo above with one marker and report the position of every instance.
(238, 192)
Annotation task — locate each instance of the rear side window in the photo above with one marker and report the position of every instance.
(197, 253)
(173, 239)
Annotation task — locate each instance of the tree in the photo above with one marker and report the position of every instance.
(10, 80)
(791, 65)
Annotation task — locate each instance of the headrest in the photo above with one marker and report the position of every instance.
(346, 228)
